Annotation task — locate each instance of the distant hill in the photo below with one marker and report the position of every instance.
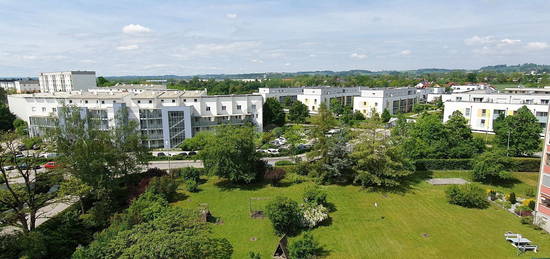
(524, 68)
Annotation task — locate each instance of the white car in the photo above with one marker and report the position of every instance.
(273, 151)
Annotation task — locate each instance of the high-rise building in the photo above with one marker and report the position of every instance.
(52, 82)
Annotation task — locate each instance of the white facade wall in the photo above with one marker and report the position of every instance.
(25, 86)
(238, 108)
(67, 81)
(312, 97)
(378, 99)
(481, 109)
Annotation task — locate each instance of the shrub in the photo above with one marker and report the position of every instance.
(283, 162)
(284, 215)
(306, 247)
(313, 214)
(254, 255)
(302, 168)
(532, 204)
(530, 192)
(526, 220)
(492, 194)
(191, 185)
(191, 173)
(164, 186)
(467, 195)
(313, 194)
(275, 175)
(444, 164)
(512, 198)
(525, 164)
(155, 171)
(295, 178)
(491, 167)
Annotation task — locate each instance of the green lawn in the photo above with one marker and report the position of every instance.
(417, 224)
(502, 86)
(523, 181)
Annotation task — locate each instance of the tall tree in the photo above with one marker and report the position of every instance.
(273, 113)
(6, 118)
(231, 154)
(323, 121)
(520, 133)
(99, 158)
(298, 112)
(27, 190)
(462, 144)
(379, 162)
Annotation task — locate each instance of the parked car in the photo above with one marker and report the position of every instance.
(49, 155)
(160, 154)
(37, 166)
(50, 165)
(273, 151)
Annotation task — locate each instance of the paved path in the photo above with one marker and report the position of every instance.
(170, 164)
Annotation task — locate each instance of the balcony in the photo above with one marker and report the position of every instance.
(207, 123)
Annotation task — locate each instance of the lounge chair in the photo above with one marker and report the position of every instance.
(524, 248)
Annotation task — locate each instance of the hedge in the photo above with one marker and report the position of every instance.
(444, 164)
(519, 164)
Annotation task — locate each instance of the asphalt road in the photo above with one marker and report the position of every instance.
(170, 164)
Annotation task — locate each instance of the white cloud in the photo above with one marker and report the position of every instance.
(358, 56)
(509, 41)
(231, 16)
(406, 52)
(537, 45)
(259, 61)
(135, 29)
(128, 47)
(476, 40)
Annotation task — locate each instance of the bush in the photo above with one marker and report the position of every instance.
(492, 194)
(467, 195)
(302, 168)
(530, 192)
(306, 247)
(283, 163)
(284, 215)
(313, 214)
(491, 166)
(274, 175)
(526, 220)
(295, 178)
(164, 186)
(532, 204)
(191, 173)
(444, 164)
(313, 194)
(254, 255)
(191, 185)
(512, 198)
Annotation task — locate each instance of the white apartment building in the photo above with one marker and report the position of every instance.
(165, 118)
(481, 109)
(468, 88)
(312, 97)
(20, 85)
(395, 100)
(521, 90)
(67, 81)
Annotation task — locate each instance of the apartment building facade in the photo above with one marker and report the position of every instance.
(395, 100)
(51, 82)
(165, 118)
(312, 97)
(20, 85)
(481, 109)
(542, 207)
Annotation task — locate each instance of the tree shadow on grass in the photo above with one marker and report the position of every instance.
(506, 183)
(406, 186)
(180, 197)
(226, 185)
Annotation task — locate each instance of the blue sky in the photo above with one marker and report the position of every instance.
(198, 37)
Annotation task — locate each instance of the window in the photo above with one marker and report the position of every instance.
(207, 108)
(543, 101)
(54, 109)
(33, 109)
(139, 101)
(253, 107)
(173, 101)
(194, 100)
(315, 101)
(482, 122)
(102, 102)
(483, 112)
(86, 101)
(478, 100)
(184, 100)
(43, 109)
(542, 114)
(238, 107)
(162, 100)
(467, 113)
(223, 108)
(459, 98)
(150, 101)
(70, 101)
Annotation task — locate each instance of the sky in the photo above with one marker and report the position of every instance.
(162, 37)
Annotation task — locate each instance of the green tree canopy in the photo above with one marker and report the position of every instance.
(231, 154)
(298, 112)
(386, 116)
(520, 133)
(6, 118)
(462, 144)
(273, 113)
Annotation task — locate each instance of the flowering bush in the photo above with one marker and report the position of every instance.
(312, 215)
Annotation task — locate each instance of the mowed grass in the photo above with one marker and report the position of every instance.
(416, 224)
